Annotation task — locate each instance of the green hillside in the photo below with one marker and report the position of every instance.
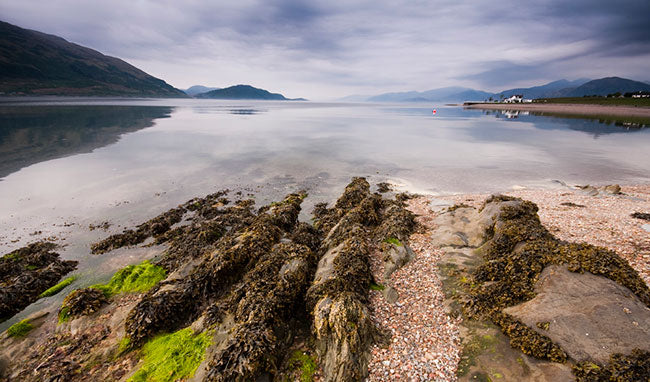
(35, 63)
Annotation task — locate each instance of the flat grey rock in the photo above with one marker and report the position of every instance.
(589, 316)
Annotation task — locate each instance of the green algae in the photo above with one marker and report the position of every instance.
(305, 364)
(475, 346)
(375, 286)
(171, 357)
(394, 241)
(64, 314)
(133, 278)
(58, 287)
(20, 329)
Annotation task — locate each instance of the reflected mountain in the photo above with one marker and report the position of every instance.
(33, 134)
(595, 125)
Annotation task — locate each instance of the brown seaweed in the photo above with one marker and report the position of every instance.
(26, 273)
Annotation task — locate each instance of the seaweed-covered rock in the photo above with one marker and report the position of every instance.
(338, 296)
(178, 302)
(274, 289)
(519, 248)
(517, 256)
(343, 333)
(620, 368)
(26, 273)
(641, 215)
(81, 302)
(254, 287)
(159, 227)
(154, 227)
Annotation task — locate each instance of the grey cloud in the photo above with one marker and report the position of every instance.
(332, 48)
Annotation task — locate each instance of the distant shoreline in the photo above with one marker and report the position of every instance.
(574, 109)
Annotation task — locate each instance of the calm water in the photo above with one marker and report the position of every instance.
(67, 164)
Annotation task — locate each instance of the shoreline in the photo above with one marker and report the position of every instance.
(572, 109)
(427, 342)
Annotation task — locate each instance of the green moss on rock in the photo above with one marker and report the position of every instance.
(20, 329)
(394, 241)
(171, 357)
(133, 278)
(305, 364)
(58, 287)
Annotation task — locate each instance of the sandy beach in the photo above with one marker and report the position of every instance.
(573, 109)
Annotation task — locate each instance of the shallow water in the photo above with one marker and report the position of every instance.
(66, 163)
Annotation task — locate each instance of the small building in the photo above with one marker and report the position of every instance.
(517, 98)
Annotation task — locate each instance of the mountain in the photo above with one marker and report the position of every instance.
(242, 92)
(552, 89)
(608, 85)
(354, 98)
(449, 94)
(35, 63)
(198, 89)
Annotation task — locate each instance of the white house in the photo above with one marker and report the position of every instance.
(514, 99)
(517, 98)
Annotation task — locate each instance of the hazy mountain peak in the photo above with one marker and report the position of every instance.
(198, 89)
(242, 92)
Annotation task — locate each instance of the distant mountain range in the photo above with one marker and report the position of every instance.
(562, 88)
(35, 63)
(244, 92)
(450, 94)
(550, 90)
(605, 86)
(198, 89)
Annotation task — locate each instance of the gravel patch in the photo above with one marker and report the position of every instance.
(425, 342)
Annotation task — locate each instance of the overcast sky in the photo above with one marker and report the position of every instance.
(329, 49)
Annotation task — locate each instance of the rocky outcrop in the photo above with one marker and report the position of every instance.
(554, 300)
(180, 301)
(260, 285)
(81, 302)
(339, 293)
(26, 273)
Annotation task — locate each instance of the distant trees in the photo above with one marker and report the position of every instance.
(639, 94)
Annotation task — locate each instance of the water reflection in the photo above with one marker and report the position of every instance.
(266, 150)
(593, 125)
(33, 134)
(228, 109)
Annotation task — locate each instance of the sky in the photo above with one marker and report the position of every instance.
(324, 50)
